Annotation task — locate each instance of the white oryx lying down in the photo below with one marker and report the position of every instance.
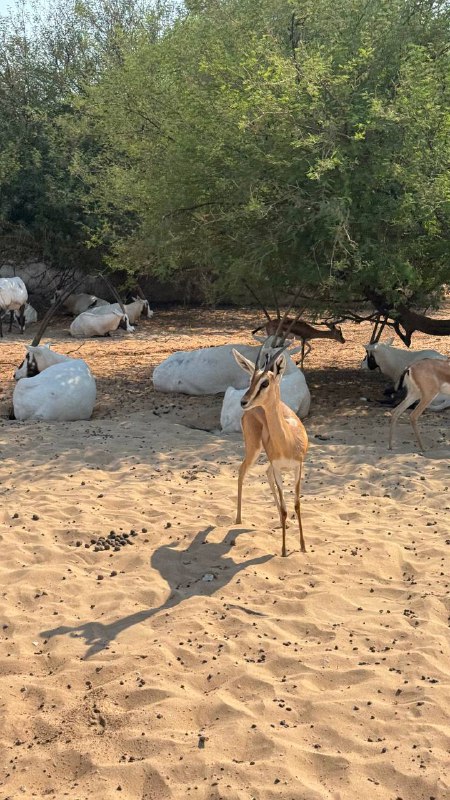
(293, 390)
(51, 386)
(210, 370)
(393, 361)
(13, 297)
(30, 315)
(91, 324)
(138, 308)
(77, 303)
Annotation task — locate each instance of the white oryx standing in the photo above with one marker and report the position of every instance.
(13, 297)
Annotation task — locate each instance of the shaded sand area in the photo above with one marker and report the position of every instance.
(195, 662)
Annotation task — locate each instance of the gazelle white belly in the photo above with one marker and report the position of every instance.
(285, 463)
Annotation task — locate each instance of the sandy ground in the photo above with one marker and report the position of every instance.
(124, 673)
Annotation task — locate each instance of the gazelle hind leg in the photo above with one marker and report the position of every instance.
(413, 418)
(298, 478)
(273, 486)
(409, 400)
(283, 510)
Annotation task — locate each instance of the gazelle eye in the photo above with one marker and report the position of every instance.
(264, 384)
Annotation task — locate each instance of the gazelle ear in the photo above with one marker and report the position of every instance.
(279, 367)
(243, 362)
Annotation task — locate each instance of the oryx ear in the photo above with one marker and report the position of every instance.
(261, 339)
(279, 367)
(243, 362)
(389, 341)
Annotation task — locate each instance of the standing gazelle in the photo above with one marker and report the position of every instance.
(424, 380)
(270, 424)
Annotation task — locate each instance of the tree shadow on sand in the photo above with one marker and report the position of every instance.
(185, 572)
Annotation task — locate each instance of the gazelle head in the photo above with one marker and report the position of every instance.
(265, 374)
(336, 332)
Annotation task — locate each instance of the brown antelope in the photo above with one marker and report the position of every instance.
(424, 380)
(302, 330)
(270, 424)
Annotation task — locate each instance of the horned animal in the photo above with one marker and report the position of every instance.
(393, 361)
(209, 370)
(13, 297)
(293, 390)
(138, 308)
(77, 303)
(299, 329)
(268, 423)
(90, 324)
(424, 381)
(52, 386)
(30, 315)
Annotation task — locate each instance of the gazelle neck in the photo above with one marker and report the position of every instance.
(271, 408)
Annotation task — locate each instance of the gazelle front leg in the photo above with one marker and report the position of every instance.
(282, 507)
(251, 428)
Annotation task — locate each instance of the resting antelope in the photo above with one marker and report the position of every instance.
(52, 386)
(424, 380)
(270, 424)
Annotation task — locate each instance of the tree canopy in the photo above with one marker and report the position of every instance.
(295, 144)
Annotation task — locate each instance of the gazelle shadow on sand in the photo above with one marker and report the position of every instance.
(184, 571)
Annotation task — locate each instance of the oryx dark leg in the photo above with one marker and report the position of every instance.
(21, 318)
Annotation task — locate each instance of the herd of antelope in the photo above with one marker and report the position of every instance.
(266, 403)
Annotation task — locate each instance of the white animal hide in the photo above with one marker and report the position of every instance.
(210, 370)
(13, 294)
(135, 310)
(63, 390)
(91, 324)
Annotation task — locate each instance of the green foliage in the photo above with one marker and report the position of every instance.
(291, 143)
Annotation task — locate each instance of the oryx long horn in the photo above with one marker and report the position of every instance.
(283, 320)
(51, 313)
(114, 291)
(257, 299)
(140, 292)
